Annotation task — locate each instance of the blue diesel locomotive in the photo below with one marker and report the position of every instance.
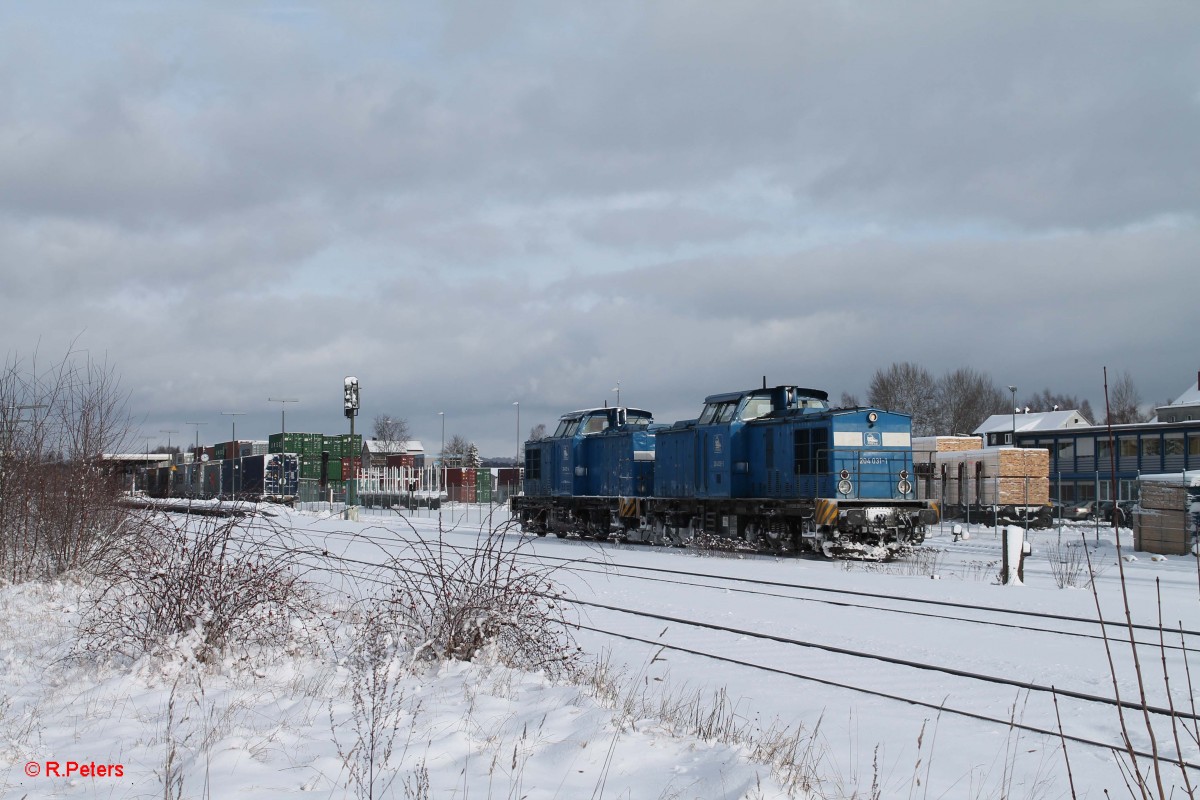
(772, 469)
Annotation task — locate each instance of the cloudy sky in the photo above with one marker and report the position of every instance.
(471, 204)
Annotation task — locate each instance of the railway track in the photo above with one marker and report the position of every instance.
(812, 660)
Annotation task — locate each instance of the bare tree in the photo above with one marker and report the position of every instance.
(1046, 400)
(537, 432)
(387, 428)
(58, 500)
(965, 398)
(909, 389)
(1124, 402)
(456, 449)
(849, 401)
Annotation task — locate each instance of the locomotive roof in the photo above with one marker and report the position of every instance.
(585, 411)
(726, 397)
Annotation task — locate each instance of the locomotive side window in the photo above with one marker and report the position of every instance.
(533, 465)
(756, 407)
(708, 414)
(595, 424)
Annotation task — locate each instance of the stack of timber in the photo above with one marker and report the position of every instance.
(1005, 476)
(1161, 524)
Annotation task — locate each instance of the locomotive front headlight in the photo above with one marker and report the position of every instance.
(903, 474)
(904, 487)
(844, 486)
(872, 417)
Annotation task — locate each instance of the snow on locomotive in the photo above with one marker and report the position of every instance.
(775, 469)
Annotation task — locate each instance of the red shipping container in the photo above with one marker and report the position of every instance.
(398, 461)
(454, 476)
(350, 468)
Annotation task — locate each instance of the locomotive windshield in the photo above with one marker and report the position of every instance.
(566, 427)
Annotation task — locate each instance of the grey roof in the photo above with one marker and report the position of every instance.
(1032, 421)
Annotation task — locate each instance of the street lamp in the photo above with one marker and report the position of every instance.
(283, 401)
(442, 483)
(617, 389)
(197, 424)
(1013, 389)
(171, 461)
(517, 463)
(233, 422)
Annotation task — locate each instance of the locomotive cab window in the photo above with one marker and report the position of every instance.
(566, 427)
(726, 413)
(755, 407)
(595, 424)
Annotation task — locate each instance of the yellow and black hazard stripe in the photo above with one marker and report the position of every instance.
(826, 512)
(629, 507)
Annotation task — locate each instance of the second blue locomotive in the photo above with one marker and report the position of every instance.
(771, 468)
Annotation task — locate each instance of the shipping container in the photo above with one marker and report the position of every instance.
(400, 461)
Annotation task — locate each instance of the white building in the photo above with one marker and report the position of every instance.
(997, 430)
(1186, 406)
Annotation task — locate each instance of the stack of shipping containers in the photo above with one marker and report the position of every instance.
(344, 460)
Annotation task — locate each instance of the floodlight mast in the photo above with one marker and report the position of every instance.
(350, 402)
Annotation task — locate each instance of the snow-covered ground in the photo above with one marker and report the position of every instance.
(903, 720)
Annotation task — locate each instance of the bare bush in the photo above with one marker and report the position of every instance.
(57, 499)
(457, 602)
(198, 584)
(1068, 563)
(375, 662)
